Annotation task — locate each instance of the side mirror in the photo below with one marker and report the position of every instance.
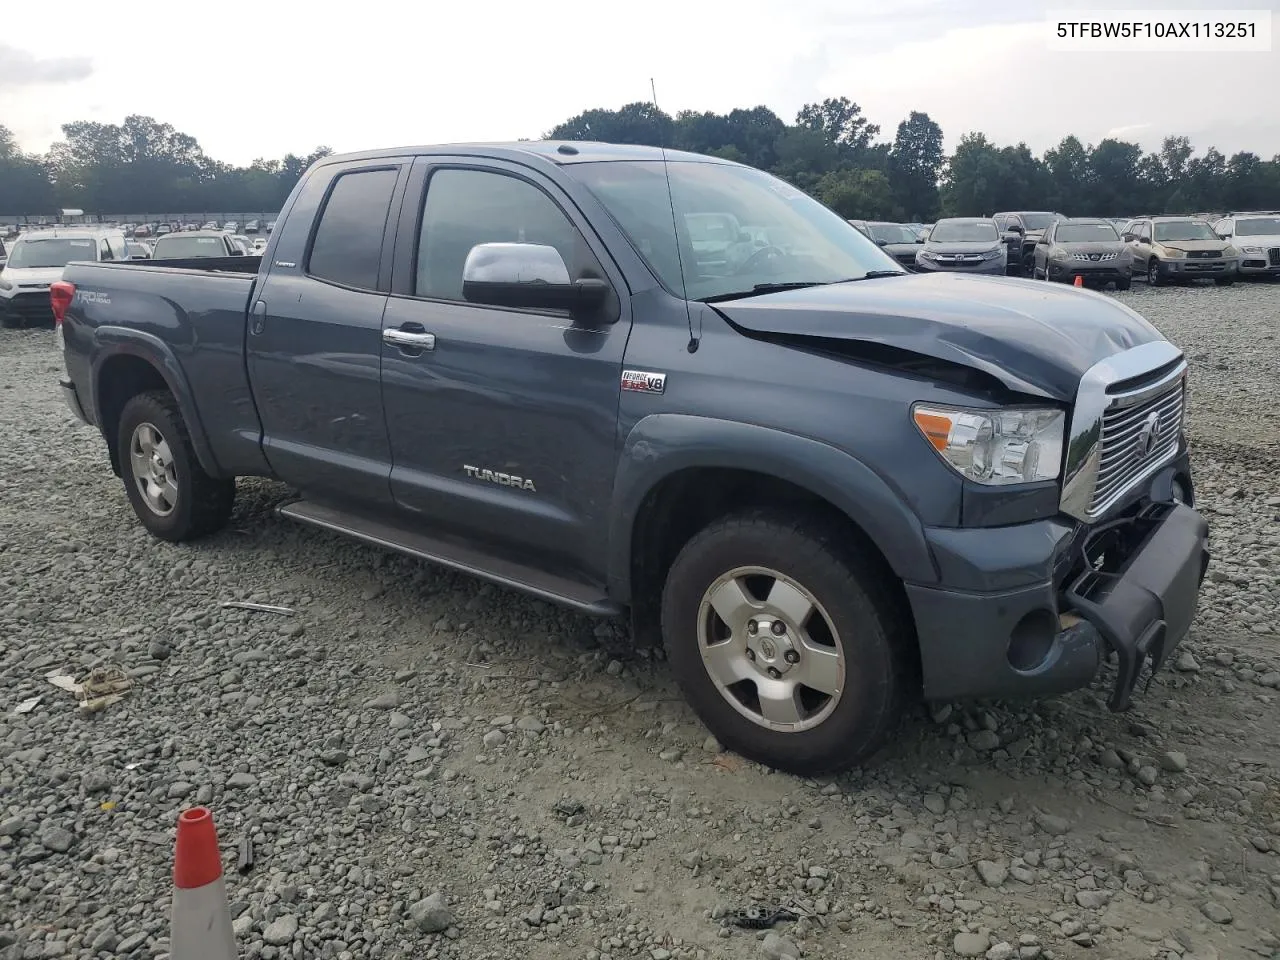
(1146, 240)
(526, 275)
(921, 239)
(237, 252)
(1225, 236)
(882, 243)
(1014, 228)
(139, 256)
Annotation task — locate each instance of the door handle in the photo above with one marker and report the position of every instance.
(409, 340)
(259, 320)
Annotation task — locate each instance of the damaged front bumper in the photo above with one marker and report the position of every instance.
(1032, 610)
(1142, 606)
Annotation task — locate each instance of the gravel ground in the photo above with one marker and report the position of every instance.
(430, 767)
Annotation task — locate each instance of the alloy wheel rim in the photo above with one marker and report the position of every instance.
(771, 649)
(152, 464)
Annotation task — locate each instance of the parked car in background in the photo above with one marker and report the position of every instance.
(829, 485)
(1179, 249)
(271, 225)
(1079, 247)
(1257, 238)
(251, 226)
(898, 240)
(210, 225)
(259, 244)
(142, 230)
(1030, 225)
(197, 246)
(163, 229)
(966, 244)
(4, 254)
(36, 261)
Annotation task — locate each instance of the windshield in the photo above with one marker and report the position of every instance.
(1258, 227)
(740, 227)
(50, 252)
(892, 233)
(1086, 233)
(175, 247)
(972, 232)
(1184, 230)
(1038, 221)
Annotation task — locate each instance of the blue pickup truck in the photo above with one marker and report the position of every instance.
(826, 484)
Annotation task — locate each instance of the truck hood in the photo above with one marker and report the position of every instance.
(1035, 338)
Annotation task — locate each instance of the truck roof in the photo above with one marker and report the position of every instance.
(555, 151)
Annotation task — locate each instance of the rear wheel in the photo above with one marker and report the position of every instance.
(784, 643)
(170, 491)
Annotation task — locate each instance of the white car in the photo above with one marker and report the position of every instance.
(36, 260)
(1257, 237)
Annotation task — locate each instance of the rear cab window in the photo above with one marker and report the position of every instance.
(346, 247)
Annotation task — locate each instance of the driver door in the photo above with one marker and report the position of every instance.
(505, 425)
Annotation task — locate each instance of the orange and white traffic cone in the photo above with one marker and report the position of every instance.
(201, 925)
(1079, 281)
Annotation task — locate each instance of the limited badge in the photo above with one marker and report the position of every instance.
(638, 381)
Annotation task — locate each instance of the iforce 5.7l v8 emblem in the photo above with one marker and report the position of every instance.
(639, 381)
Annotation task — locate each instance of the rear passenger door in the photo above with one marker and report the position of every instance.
(315, 335)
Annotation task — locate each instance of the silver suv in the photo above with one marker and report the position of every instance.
(1179, 249)
(1257, 237)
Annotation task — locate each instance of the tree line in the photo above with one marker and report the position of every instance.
(136, 166)
(831, 150)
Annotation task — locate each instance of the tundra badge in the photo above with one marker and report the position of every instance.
(501, 479)
(638, 381)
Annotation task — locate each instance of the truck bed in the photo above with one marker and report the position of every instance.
(181, 304)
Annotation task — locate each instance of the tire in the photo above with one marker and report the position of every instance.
(1154, 279)
(1124, 284)
(9, 321)
(197, 504)
(853, 630)
(1224, 281)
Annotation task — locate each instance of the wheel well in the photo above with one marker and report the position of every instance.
(689, 500)
(121, 379)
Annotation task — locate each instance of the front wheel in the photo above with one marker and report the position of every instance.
(1224, 281)
(785, 643)
(1154, 278)
(170, 491)
(1123, 283)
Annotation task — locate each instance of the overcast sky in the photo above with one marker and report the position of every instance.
(266, 78)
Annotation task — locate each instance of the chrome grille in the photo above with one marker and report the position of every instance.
(1274, 254)
(1094, 257)
(1136, 440)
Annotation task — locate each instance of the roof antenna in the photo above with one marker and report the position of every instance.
(666, 169)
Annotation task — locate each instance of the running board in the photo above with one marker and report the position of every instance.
(464, 559)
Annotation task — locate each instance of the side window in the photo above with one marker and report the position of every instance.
(118, 250)
(468, 207)
(104, 251)
(1002, 223)
(1222, 227)
(1144, 230)
(348, 241)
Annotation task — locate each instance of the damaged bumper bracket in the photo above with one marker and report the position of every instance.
(1144, 608)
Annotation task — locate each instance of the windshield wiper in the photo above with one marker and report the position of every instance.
(760, 288)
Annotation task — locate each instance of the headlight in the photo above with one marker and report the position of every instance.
(1169, 253)
(1252, 251)
(996, 253)
(1014, 445)
(1058, 253)
(925, 255)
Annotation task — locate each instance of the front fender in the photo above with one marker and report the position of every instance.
(661, 444)
(113, 341)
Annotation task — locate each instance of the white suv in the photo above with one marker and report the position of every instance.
(1257, 237)
(36, 260)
